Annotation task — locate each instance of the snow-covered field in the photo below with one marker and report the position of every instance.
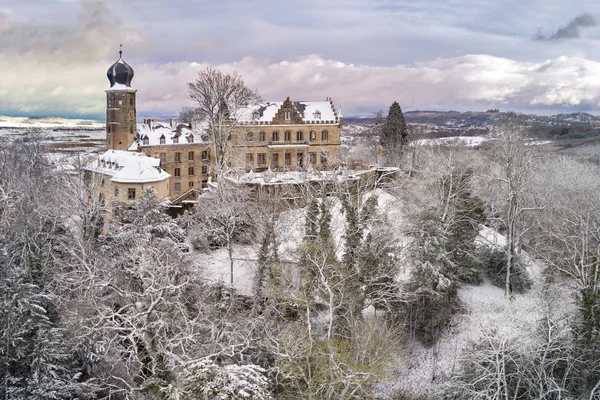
(469, 141)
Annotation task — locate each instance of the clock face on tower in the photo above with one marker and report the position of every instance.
(131, 116)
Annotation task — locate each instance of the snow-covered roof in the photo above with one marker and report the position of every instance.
(151, 136)
(312, 112)
(119, 87)
(288, 177)
(129, 167)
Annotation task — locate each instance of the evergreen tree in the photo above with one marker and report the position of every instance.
(394, 131)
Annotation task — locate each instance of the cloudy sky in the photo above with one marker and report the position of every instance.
(526, 55)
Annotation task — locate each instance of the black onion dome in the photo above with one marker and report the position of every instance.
(120, 73)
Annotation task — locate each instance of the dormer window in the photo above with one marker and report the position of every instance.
(190, 139)
(162, 139)
(287, 115)
(317, 114)
(175, 139)
(255, 115)
(146, 141)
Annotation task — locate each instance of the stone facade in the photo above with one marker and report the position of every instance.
(188, 164)
(120, 118)
(286, 147)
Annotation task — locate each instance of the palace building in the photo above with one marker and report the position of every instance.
(175, 159)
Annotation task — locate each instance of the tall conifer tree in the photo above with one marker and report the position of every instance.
(394, 131)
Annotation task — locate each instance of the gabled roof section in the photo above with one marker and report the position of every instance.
(128, 167)
(302, 112)
(151, 134)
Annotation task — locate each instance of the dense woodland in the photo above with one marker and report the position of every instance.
(125, 313)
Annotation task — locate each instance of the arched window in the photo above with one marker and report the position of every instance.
(263, 136)
(287, 115)
(255, 115)
(275, 136)
(325, 135)
(287, 136)
(299, 136)
(146, 141)
(313, 136)
(190, 138)
(317, 114)
(249, 136)
(162, 139)
(175, 139)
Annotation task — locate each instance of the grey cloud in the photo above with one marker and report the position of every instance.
(570, 31)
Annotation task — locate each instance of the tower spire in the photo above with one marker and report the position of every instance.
(120, 51)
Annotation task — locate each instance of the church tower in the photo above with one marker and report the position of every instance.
(120, 106)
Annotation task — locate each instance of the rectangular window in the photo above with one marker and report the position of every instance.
(288, 158)
(205, 155)
(250, 159)
(275, 160)
(176, 172)
(162, 140)
(275, 136)
(324, 157)
(163, 157)
(325, 136)
(312, 158)
(299, 136)
(120, 102)
(191, 184)
(263, 136)
(262, 159)
(116, 191)
(300, 160)
(177, 186)
(191, 156)
(287, 115)
(288, 136)
(313, 136)
(131, 193)
(131, 102)
(191, 171)
(175, 139)
(249, 136)
(177, 156)
(204, 170)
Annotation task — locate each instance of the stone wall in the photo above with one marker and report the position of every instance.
(185, 181)
(120, 119)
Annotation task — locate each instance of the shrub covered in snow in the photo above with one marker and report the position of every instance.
(494, 264)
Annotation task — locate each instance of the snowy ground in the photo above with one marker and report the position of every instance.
(469, 141)
(215, 265)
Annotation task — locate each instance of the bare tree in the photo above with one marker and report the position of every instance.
(221, 99)
(222, 219)
(515, 163)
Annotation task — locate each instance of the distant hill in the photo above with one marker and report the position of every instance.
(477, 119)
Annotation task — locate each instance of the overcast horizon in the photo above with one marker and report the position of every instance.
(525, 56)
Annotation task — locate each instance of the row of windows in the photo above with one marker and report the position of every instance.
(177, 171)
(177, 156)
(130, 193)
(287, 159)
(162, 139)
(288, 136)
(287, 115)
